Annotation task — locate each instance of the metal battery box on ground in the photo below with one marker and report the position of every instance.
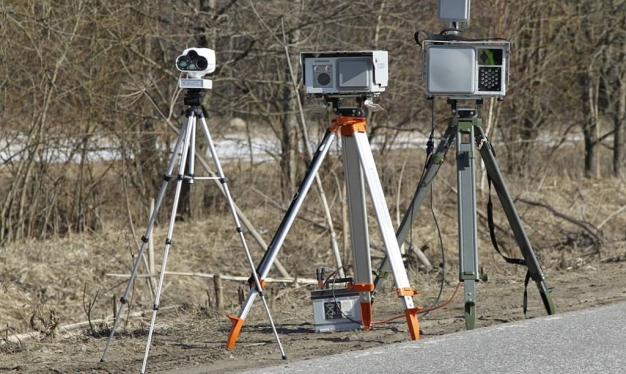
(336, 310)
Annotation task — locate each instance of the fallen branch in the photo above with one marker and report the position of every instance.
(226, 277)
(271, 201)
(421, 257)
(607, 219)
(18, 338)
(589, 228)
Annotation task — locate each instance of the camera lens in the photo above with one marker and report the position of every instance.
(202, 63)
(182, 63)
(192, 54)
(323, 79)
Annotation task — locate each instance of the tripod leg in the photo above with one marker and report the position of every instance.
(521, 238)
(432, 167)
(190, 130)
(231, 206)
(468, 246)
(359, 238)
(403, 287)
(274, 247)
(144, 238)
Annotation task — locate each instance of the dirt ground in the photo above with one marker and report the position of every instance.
(49, 288)
(192, 340)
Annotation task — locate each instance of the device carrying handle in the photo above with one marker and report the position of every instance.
(441, 37)
(448, 37)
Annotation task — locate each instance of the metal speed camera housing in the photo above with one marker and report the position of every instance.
(466, 68)
(342, 73)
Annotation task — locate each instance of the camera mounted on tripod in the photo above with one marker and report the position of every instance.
(337, 75)
(466, 68)
(196, 63)
(460, 67)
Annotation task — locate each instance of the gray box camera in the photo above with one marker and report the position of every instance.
(466, 69)
(359, 73)
(454, 10)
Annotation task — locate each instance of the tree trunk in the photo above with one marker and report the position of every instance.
(590, 114)
(620, 120)
(289, 128)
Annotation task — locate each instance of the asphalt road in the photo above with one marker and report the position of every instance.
(588, 341)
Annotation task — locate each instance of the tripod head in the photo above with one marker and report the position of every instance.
(465, 112)
(353, 111)
(193, 99)
(194, 96)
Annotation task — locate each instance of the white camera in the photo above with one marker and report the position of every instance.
(196, 62)
(466, 69)
(345, 74)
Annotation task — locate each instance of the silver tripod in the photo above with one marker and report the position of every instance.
(183, 153)
(359, 170)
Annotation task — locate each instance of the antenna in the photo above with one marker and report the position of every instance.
(454, 11)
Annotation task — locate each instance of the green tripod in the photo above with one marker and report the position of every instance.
(465, 131)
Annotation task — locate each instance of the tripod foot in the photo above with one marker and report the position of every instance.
(411, 320)
(234, 332)
(366, 315)
(470, 315)
(546, 297)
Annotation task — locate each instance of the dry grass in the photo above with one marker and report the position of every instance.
(52, 280)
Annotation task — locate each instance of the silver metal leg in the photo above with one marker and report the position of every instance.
(191, 126)
(176, 155)
(404, 290)
(359, 233)
(266, 262)
(432, 168)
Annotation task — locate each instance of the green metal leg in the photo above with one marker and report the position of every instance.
(468, 237)
(515, 222)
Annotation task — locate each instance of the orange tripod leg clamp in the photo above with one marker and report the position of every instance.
(262, 281)
(360, 287)
(234, 331)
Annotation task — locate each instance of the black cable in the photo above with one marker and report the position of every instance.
(432, 210)
(430, 146)
(337, 304)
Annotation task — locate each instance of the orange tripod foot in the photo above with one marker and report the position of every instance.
(411, 320)
(234, 332)
(366, 315)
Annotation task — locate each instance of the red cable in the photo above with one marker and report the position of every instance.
(456, 290)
